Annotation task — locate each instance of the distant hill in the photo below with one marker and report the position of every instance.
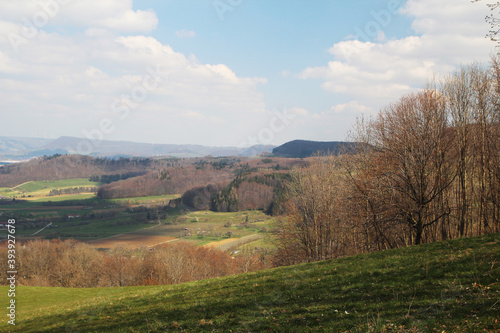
(18, 149)
(13, 148)
(304, 148)
(71, 167)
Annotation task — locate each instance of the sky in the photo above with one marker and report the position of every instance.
(222, 72)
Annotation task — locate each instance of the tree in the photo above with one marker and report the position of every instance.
(414, 139)
(472, 100)
(370, 209)
(493, 21)
(313, 228)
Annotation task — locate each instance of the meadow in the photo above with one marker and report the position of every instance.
(40, 190)
(108, 223)
(451, 286)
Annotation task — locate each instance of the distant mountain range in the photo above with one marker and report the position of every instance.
(13, 149)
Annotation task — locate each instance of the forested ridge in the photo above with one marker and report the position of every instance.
(60, 167)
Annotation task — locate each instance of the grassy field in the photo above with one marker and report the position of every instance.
(161, 199)
(449, 286)
(39, 189)
(205, 227)
(94, 218)
(98, 219)
(200, 228)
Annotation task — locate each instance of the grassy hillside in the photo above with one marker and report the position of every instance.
(442, 287)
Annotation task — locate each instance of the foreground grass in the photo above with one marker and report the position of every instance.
(442, 287)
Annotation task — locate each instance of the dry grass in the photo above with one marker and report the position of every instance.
(131, 240)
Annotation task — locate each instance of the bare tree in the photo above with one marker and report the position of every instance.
(314, 228)
(472, 101)
(492, 20)
(414, 138)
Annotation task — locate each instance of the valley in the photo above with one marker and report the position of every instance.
(75, 208)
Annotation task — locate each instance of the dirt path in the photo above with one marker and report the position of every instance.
(222, 242)
(13, 188)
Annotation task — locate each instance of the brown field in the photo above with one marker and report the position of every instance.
(232, 243)
(131, 240)
(222, 242)
(112, 210)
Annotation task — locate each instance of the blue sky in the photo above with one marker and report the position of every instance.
(222, 72)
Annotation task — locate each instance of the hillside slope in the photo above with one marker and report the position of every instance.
(70, 167)
(442, 287)
(304, 148)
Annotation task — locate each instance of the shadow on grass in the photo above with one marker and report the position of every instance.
(435, 287)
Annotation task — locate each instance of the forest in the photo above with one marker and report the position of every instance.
(78, 265)
(426, 169)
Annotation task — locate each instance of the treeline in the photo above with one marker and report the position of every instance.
(71, 167)
(73, 190)
(72, 264)
(107, 179)
(262, 191)
(204, 172)
(251, 192)
(427, 168)
(166, 181)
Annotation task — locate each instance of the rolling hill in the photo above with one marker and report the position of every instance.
(451, 286)
(304, 148)
(70, 167)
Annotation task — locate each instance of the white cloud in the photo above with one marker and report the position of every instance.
(329, 125)
(447, 17)
(185, 33)
(75, 80)
(351, 107)
(130, 21)
(447, 33)
(112, 15)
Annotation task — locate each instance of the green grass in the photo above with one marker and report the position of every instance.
(93, 229)
(36, 186)
(159, 199)
(71, 197)
(40, 189)
(207, 226)
(447, 286)
(82, 228)
(266, 243)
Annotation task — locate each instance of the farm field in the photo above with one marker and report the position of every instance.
(131, 240)
(36, 190)
(73, 218)
(122, 222)
(203, 228)
(451, 286)
(160, 199)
